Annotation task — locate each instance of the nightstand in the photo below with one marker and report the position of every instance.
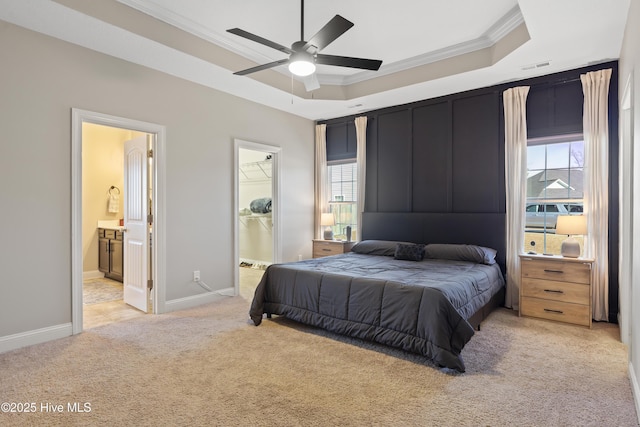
(556, 288)
(330, 247)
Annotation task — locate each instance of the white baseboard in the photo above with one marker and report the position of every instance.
(95, 274)
(226, 292)
(196, 300)
(635, 390)
(37, 336)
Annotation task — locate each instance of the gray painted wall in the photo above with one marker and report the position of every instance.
(41, 80)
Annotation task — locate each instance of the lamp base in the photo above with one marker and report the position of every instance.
(328, 233)
(570, 248)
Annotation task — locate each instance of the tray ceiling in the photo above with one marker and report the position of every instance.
(428, 48)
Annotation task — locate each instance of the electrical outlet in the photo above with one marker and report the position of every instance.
(196, 275)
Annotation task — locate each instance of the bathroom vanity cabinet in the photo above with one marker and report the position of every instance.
(110, 259)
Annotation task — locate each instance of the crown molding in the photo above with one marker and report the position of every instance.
(192, 27)
(497, 31)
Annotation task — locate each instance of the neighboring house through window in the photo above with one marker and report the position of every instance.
(343, 184)
(554, 187)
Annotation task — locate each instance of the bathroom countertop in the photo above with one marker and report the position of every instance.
(111, 225)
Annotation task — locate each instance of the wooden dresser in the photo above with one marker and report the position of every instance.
(330, 247)
(556, 288)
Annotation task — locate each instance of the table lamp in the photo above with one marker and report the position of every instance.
(571, 225)
(327, 220)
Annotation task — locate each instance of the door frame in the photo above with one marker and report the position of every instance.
(158, 249)
(627, 228)
(275, 212)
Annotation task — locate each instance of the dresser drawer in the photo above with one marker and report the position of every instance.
(576, 293)
(321, 249)
(577, 314)
(561, 271)
(556, 288)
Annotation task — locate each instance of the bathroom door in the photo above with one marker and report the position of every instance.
(136, 236)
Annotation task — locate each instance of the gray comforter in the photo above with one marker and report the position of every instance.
(421, 307)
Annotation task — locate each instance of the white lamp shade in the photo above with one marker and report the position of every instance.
(327, 219)
(572, 225)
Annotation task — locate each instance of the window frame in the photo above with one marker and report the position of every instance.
(547, 203)
(337, 206)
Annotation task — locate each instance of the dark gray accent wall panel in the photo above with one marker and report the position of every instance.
(477, 169)
(432, 158)
(394, 161)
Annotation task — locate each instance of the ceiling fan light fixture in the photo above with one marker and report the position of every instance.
(304, 55)
(301, 64)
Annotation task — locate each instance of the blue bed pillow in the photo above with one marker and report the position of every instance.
(409, 251)
(472, 253)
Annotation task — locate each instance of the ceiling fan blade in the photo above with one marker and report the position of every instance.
(261, 67)
(261, 40)
(311, 82)
(345, 61)
(336, 27)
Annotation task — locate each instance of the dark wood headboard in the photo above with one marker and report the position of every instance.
(482, 229)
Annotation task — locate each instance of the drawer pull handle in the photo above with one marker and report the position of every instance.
(326, 250)
(554, 291)
(548, 310)
(554, 271)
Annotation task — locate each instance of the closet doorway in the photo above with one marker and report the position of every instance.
(256, 213)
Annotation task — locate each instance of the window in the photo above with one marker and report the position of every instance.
(554, 187)
(343, 184)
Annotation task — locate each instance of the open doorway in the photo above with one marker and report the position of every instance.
(116, 210)
(104, 204)
(256, 213)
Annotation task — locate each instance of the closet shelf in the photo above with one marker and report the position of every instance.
(262, 219)
(255, 171)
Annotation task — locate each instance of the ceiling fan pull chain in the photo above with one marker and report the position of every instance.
(301, 19)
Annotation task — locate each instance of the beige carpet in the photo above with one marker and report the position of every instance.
(209, 366)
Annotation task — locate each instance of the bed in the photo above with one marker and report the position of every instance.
(425, 299)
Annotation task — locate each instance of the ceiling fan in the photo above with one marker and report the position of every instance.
(303, 55)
